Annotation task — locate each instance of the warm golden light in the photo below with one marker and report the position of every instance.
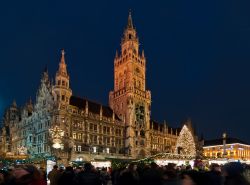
(56, 145)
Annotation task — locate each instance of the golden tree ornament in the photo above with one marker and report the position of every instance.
(56, 134)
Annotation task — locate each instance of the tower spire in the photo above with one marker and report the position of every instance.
(62, 57)
(62, 66)
(61, 89)
(130, 22)
(133, 109)
(14, 103)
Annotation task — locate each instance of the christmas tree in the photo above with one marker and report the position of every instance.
(185, 142)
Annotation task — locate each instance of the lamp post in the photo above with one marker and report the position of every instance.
(224, 136)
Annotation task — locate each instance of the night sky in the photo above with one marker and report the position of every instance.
(198, 55)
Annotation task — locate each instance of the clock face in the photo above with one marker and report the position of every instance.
(140, 113)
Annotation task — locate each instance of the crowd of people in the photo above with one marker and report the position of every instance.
(233, 173)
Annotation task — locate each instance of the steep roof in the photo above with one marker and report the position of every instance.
(156, 125)
(229, 140)
(92, 106)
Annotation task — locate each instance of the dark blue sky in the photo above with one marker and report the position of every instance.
(198, 55)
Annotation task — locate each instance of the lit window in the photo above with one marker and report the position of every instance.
(94, 149)
(108, 150)
(79, 148)
(74, 135)
(74, 147)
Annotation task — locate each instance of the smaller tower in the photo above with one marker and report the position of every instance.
(29, 106)
(13, 112)
(61, 89)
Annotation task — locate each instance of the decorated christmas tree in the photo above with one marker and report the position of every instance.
(185, 142)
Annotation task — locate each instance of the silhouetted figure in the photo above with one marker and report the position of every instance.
(233, 174)
(129, 176)
(151, 176)
(67, 176)
(104, 176)
(88, 176)
(215, 174)
(54, 175)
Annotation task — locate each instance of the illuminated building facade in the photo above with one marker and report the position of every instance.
(91, 130)
(227, 147)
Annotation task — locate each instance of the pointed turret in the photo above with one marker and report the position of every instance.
(130, 22)
(142, 54)
(61, 89)
(130, 33)
(45, 75)
(29, 106)
(62, 58)
(116, 54)
(46, 69)
(14, 103)
(30, 101)
(87, 108)
(101, 112)
(62, 65)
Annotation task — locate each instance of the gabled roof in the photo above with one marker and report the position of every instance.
(93, 107)
(229, 140)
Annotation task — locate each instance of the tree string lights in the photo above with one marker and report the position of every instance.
(185, 144)
(56, 135)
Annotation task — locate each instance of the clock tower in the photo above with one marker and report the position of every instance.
(130, 100)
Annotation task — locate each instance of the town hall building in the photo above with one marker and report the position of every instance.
(58, 123)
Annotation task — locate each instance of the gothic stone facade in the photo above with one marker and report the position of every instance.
(91, 130)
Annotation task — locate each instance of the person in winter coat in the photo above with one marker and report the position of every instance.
(54, 175)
